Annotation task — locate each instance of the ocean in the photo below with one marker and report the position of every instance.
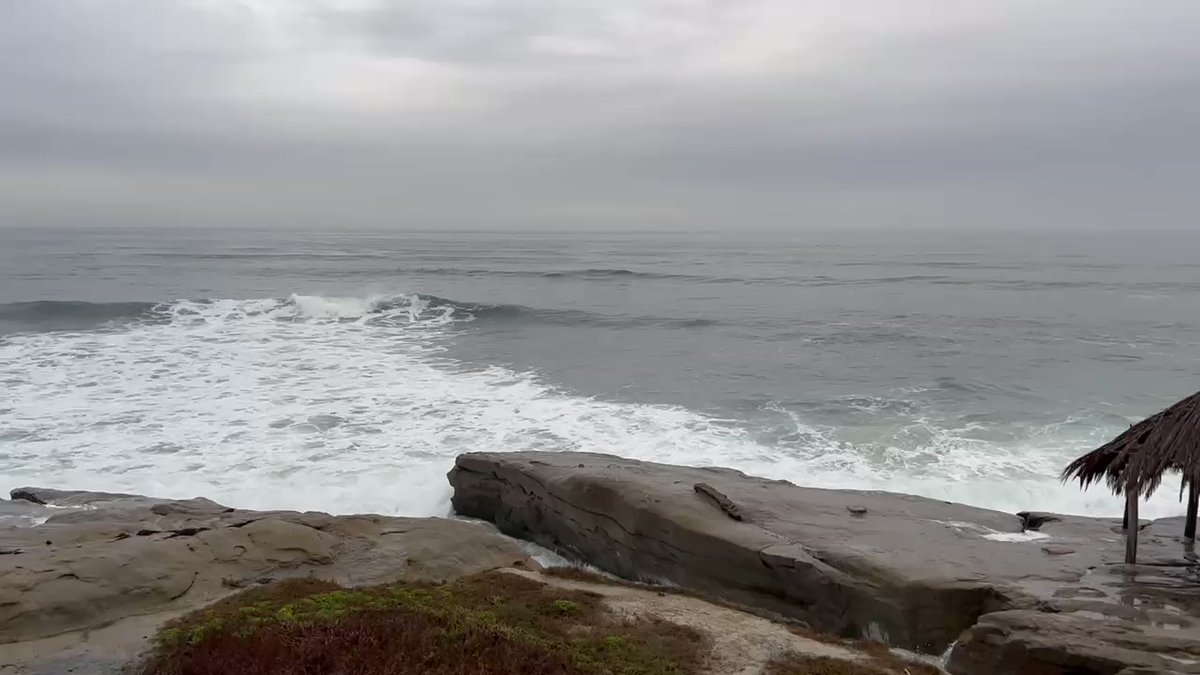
(344, 371)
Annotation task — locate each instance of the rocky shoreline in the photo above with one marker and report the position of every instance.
(86, 578)
(1003, 593)
(97, 560)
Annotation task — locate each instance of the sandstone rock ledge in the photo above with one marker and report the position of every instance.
(81, 590)
(87, 578)
(1027, 594)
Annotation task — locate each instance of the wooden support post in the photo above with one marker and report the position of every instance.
(1132, 495)
(1189, 525)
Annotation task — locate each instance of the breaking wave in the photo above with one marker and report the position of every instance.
(399, 309)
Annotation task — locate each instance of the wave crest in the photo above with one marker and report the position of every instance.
(408, 308)
(404, 309)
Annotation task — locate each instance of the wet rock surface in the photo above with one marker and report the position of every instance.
(1023, 641)
(1033, 593)
(98, 558)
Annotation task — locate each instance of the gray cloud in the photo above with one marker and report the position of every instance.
(623, 114)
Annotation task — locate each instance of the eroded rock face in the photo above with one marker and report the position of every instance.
(1026, 642)
(124, 555)
(915, 572)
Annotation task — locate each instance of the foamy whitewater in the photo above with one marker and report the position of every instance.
(360, 403)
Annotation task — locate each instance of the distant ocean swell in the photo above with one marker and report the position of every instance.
(412, 308)
(1013, 277)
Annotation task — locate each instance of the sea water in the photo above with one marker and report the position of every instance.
(344, 371)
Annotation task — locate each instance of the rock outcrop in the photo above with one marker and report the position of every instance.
(1023, 641)
(1034, 593)
(97, 558)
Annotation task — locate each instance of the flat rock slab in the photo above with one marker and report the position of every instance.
(100, 558)
(914, 572)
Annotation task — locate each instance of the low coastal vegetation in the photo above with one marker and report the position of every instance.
(486, 624)
(491, 623)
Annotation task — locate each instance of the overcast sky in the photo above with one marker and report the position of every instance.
(559, 114)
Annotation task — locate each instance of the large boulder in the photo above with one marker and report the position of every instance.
(913, 572)
(1022, 642)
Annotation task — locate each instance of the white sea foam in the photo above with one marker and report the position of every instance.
(977, 530)
(351, 405)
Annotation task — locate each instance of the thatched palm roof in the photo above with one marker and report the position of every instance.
(1169, 440)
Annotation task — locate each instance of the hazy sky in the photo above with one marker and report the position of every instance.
(424, 114)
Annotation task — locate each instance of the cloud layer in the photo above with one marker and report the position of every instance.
(632, 114)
